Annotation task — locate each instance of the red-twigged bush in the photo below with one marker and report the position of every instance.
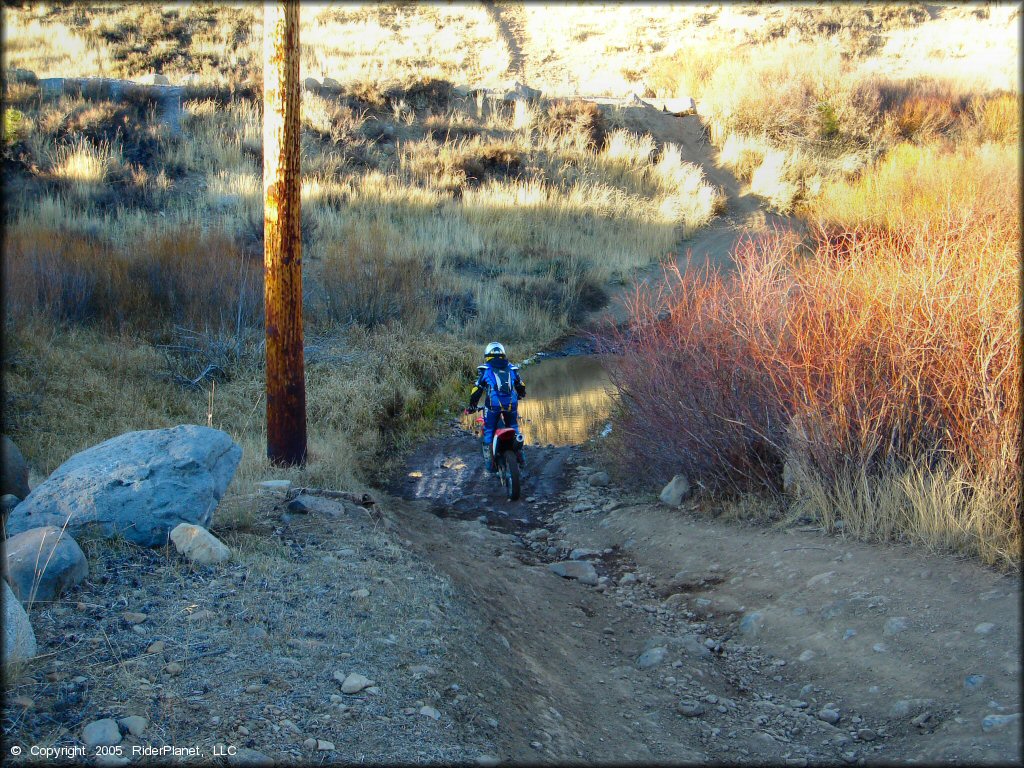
(695, 394)
(882, 349)
(188, 277)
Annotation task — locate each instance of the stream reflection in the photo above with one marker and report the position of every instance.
(568, 400)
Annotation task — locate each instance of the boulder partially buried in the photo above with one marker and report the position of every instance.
(43, 563)
(19, 639)
(139, 485)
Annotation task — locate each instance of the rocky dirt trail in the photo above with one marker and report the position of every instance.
(706, 640)
(690, 638)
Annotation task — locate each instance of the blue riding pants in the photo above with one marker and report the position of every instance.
(493, 417)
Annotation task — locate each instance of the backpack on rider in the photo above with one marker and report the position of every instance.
(501, 386)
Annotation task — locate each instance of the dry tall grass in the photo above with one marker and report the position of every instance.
(884, 368)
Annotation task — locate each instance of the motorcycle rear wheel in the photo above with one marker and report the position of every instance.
(510, 474)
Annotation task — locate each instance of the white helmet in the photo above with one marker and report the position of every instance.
(494, 349)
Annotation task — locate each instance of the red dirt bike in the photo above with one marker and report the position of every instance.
(506, 455)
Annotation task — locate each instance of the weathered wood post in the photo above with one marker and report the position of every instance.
(282, 235)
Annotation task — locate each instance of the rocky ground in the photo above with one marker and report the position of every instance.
(580, 624)
(262, 654)
(702, 639)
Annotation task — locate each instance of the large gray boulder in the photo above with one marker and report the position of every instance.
(15, 470)
(139, 485)
(43, 563)
(19, 639)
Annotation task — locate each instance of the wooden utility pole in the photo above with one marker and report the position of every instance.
(282, 235)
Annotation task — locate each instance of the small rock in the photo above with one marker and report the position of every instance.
(880, 648)
(353, 682)
(751, 624)
(580, 570)
(866, 734)
(199, 545)
(690, 708)
(250, 757)
(909, 707)
(487, 760)
(998, 722)
(309, 743)
(298, 506)
(156, 647)
(536, 745)
(973, 681)
(806, 655)
(324, 746)
(652, 658)
(849, 633)
(829, 716)
(692, 646)
(153, 78)
(598, 479)
(22, 701)
(133, 617)
(133, 724)
(627, 579)
(821, 578)
(430, 712)
(921, 719)
(894, 626)
(676, 492)
(101, 733)
(360, 593)
(984, 628)
(582, 554)
(174, 668)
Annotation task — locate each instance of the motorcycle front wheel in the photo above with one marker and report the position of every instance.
(510, 474)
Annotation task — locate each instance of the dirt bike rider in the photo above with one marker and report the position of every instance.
(503, 385)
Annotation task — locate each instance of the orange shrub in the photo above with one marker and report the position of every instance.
(895, 345)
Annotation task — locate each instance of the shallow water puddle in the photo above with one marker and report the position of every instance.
(568, 400)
